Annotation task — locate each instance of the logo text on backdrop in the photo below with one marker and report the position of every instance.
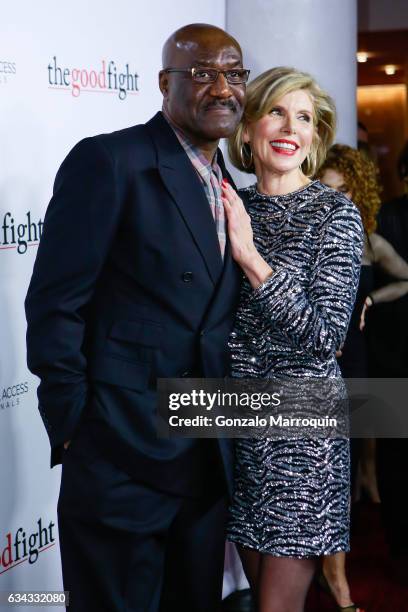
(108, 77)
(19, 235)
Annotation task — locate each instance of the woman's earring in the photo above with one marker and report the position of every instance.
(247, 159)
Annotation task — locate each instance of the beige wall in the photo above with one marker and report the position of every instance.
(382, 108)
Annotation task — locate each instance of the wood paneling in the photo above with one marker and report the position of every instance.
(390, 47)
(383, 109)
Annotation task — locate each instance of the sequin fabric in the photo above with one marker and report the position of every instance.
(291, 496)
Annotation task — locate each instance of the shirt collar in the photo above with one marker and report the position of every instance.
(206, 166)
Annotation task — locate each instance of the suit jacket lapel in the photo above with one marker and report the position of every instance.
(185, 188)
(225, 298)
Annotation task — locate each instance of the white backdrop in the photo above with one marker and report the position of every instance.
(39, 122)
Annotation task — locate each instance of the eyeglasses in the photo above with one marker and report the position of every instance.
(210, 75)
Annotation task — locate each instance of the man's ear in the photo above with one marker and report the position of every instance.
(163, 83)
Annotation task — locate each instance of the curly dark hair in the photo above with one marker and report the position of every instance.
(360, 176)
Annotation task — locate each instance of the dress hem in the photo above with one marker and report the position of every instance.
(279, 552)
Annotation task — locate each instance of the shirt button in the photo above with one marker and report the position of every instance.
(187, 277)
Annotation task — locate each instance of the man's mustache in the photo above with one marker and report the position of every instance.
(229, 104)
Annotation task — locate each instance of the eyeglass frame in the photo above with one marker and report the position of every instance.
(224, 72)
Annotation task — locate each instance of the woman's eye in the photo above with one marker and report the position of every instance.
(276, 111)
(305, 117)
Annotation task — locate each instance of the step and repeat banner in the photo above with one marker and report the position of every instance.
(67, 70)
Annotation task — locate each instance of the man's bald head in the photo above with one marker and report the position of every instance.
(204, 111)
(189, 39)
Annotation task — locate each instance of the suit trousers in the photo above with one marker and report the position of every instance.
(127, 547)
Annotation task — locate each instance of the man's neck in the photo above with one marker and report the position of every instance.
(208, 149)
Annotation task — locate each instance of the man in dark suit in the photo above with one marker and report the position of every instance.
(134, 281)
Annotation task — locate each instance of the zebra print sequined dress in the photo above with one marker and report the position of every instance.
(291, 496)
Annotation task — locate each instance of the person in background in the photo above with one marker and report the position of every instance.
(389, 337)
(363, 142)
(388, 345)
(296, 301)
(362, 136)
(355, 175)
(351, 173)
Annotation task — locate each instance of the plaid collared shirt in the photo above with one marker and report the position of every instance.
(210, 176)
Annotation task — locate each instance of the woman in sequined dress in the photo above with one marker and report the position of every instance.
(300, 249)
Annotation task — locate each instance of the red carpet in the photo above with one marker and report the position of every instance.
(372, 583)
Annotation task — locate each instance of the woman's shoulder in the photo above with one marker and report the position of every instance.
(337, 203)
(249, 188)
(248, 191)
(247, 195)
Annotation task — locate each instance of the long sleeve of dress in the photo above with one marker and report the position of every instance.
(316, 318)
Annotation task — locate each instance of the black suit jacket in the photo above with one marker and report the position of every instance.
(128, 286)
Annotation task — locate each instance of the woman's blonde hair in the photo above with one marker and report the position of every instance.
(360, 178)
(262, 95)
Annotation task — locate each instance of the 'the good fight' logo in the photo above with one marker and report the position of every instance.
(20, 236)
(106, 78)
(22, 546)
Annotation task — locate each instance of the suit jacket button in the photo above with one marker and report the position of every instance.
(187, 277)
(185, 374)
